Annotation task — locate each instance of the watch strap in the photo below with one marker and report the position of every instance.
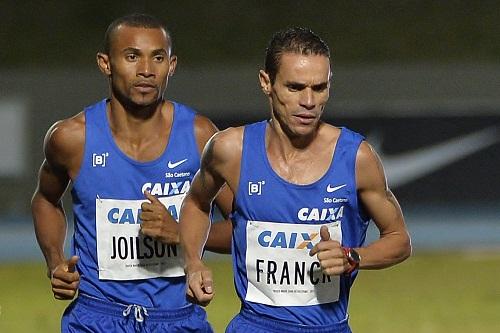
(352, 263)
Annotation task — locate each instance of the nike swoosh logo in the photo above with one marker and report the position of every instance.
(335, 188)
(406, 167)
(176, 164)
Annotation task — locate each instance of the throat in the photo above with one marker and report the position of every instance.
(143, 149)
(300, 160)
(141, 139)
(300, 169)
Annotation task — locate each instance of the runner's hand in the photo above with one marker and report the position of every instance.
(65, 279)
(200, 288)
(330, 254)
(157, 221)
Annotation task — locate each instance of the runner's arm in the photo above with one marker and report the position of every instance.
(220, 234)
(393, 245)
(219, 237)
(195, 225)
(194, 217)
(48, 213)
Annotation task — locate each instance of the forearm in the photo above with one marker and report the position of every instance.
(219, 237)
(50, 229)
(388, 250)
(193, 227)
(393, 245)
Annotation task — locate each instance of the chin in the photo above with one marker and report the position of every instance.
(302, 131)
(145, 101)
(306, 128)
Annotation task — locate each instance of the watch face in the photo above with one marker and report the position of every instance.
(354, 256)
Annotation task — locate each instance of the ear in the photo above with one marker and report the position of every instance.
(173, 65)
(265, 82)
(103, 63)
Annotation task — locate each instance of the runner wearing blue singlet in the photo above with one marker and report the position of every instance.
(130, 159)
(305, 192)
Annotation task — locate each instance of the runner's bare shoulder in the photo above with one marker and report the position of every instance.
(227, 145)
(204, 129)
(64, 142)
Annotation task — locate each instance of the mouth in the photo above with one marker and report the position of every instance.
(305, 118)
(145, 87)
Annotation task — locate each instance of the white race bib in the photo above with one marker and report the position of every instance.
(280, 270)
(123, 253)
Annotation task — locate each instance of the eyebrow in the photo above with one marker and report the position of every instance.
(299, 85)
(160, 51)
(130, 49)
(295, 84)
(135, 50)
(321, 85)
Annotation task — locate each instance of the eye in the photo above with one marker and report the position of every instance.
(295, 87)
(159, 58)
(131, 57)
(320, 87)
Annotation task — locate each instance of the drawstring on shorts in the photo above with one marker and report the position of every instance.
(138, 312)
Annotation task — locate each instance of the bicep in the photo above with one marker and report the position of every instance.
(53, 176)
(52, 183)
(218, 174)
(204, 188)
(208, 180)
(224, 200)
(374, 194)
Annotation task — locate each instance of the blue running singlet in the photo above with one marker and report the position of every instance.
(276, 223)
(118, 263)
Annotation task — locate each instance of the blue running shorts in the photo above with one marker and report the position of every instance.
(88, 314)
(246, 322)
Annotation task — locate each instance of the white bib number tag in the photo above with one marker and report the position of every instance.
(280, 270)
(123, 252)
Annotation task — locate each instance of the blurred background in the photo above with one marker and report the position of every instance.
(420, 79)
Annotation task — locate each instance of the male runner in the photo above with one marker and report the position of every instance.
(130, 159)
(305, 192)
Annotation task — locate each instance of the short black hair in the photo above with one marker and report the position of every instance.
(135, 20)
(293, 40)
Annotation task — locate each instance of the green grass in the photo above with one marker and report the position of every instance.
(431, 293)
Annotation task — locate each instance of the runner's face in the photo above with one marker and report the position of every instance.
(140, 64)
(300, 92)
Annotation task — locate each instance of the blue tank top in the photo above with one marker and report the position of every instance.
(276, 223)
(117, 263)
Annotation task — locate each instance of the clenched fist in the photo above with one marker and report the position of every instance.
(157, 221)
(65, 279)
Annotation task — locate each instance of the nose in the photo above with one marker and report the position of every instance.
(145, 68)
(307, 99)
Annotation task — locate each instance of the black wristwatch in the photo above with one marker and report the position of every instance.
(353, 258)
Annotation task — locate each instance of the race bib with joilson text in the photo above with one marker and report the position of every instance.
(123, 252)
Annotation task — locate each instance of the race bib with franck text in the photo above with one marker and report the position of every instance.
(280, 270)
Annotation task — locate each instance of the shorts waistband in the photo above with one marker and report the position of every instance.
(280, 326)
(118, 309)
